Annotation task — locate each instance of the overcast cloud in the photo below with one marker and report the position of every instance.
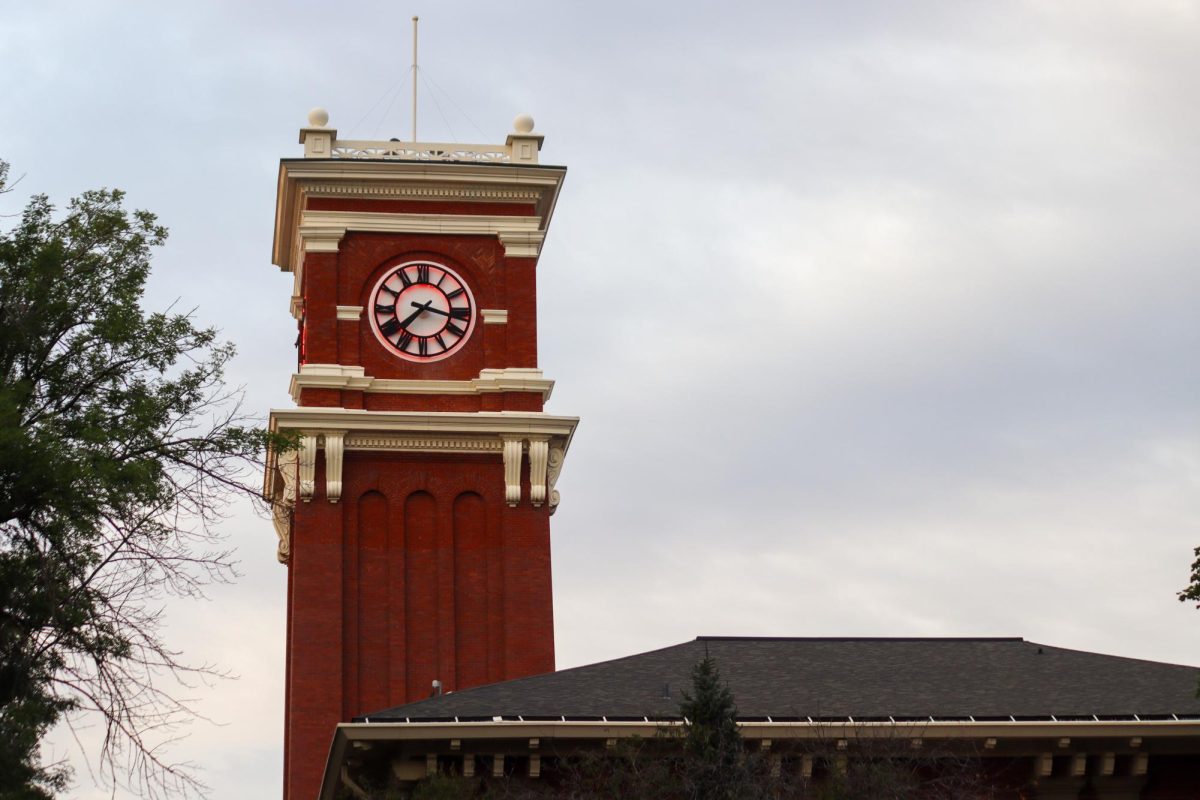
(880, 318)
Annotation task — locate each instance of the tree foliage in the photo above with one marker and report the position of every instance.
(1192, 591)
(714, 761)
(119, 446)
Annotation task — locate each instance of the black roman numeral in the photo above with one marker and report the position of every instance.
(404, 340)
(455, 293)
(382, 309)
(422, 273)
(440, 341)
(423, 346)
(389, 290)
(460, 313)
(407, 281)
(457, 331)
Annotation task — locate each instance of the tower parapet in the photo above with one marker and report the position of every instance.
(521, 146)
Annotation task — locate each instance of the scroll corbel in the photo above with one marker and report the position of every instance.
(307, 466)
(283, 503)
(553, 467)
(539, 451)
(335, 446)
(514, 447)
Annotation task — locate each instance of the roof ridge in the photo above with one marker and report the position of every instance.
(1114, 655)
(540, 675)
(860, 639)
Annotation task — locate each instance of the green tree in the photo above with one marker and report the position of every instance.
(119, 448)
(1192, 591)
(714, 765)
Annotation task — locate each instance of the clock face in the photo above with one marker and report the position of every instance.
(422, 311)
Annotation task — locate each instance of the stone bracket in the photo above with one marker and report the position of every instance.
(545, 463)
(545, 460)
(513, 448)
(539, 451)
(281, 492)
(308, 466)
(334, 447)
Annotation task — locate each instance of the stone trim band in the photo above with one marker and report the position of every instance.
(336, 376)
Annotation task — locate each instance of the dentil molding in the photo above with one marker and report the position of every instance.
(446, 192)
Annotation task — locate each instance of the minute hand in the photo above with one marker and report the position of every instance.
(428, 307)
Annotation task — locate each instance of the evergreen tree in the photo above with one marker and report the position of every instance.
(714, 765)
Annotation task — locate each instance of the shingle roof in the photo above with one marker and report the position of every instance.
(840, 678)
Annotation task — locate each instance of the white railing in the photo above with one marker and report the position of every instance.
(421, 151)
(320, 141)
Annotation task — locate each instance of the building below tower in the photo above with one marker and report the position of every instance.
(1004, 718)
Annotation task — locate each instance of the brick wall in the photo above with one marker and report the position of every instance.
(421, 571)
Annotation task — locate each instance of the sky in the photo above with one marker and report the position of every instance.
(880, 318)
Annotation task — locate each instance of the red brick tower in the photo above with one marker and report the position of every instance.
(414, 519)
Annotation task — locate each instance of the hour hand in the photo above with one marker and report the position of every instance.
(421, 307)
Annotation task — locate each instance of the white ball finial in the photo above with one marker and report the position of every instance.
(523, 123)
(318, 117)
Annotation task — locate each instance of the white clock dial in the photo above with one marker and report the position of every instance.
(422, 311)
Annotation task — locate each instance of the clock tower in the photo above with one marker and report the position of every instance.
(414, 514)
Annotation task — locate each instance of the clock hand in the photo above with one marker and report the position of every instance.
(435, 310)
(421, 308)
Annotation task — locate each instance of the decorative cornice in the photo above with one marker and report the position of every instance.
(337, 376)
(350, 313)
(523, 423)
(322, 231)
(401, 443)
(350, 178)
(510, 433)
(494, 316)
(447, 192)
